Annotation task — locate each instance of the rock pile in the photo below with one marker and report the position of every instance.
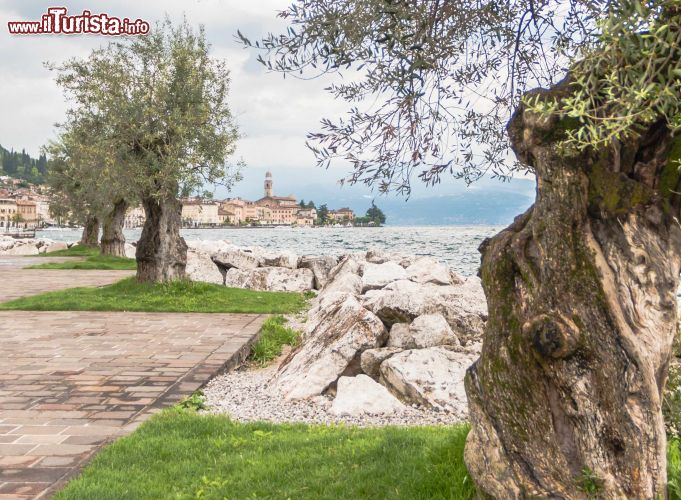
(385, 332)
(29, 246)
(396, 328)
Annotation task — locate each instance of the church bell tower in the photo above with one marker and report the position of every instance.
(268, 184)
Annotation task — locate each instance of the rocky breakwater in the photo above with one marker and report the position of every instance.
(38, 246)
(256, 268)
(29, 246)
(386, 335)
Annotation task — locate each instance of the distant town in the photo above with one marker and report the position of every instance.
(26, 206)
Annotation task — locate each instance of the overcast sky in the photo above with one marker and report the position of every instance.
(274, 114)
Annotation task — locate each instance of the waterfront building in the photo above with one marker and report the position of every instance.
(8, 212)
(342, 214)
(27, 213)
(200, 212)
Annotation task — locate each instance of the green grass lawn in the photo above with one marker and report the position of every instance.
(179, 454)
(93, 260)
(178, 296)
(74, 251)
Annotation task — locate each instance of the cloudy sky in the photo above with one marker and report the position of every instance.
(274, 113)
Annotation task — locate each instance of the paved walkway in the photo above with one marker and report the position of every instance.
(72, 381)
(15, 281)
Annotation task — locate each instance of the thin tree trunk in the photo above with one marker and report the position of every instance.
(113, 239)
(566, 396)
(90, 234)
(161, 251)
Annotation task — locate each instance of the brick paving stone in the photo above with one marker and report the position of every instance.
(73, 381)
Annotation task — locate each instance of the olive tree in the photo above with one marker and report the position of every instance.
(162, 103)
(581, 289)
(85, 183)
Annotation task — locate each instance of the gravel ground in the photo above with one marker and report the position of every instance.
(246, 395)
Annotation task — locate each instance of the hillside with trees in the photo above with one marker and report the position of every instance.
(20, 165)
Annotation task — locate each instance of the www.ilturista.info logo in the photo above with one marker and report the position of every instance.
(56, 21)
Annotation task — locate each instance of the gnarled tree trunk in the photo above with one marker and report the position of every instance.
(566, 396)
(90, 234)
(113, 239)
(161, 251)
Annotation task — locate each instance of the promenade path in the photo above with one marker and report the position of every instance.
(73, 381)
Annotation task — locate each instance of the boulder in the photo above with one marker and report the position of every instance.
(200, 267)
(377, 256)
(371, 359)
(130, 252)
(400, 337)
(284, 258)
(320, 267)
(360, 395)
(402, 286)
(346, 265)
(339, 329)
(407, 260)
(345, 283)
(463, 306)
(428, 270)
(211, 247)
(432, 377)
(53, 246)
(272, 279)
(234, 259)
(427, 330)
(377, 276)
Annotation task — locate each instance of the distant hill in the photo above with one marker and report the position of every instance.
(489, 202)
(20, 165)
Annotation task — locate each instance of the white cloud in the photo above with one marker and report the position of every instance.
(274, 113)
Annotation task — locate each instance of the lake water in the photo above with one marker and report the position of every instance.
(456, 245)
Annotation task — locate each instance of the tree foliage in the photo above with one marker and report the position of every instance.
(430, 83)
(628, 80)
(162, 104)
(23, 166)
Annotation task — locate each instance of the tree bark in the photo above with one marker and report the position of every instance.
(566, 396)
(161, 251)
(90, 234)
(113, 239)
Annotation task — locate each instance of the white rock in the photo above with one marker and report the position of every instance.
(200, 267)
(339, 330)
(211, 246)
(379, 275)
(23, 246)
(433, 377)
(273, 279)
(235, 259)
(320, 267)
(463, 306)
(371, 359)
(130, 252)
(400, 336)
(346, 265)
(362, 395)
(53, 246)
(427, 330)
(403, 286)
(343, 283)
(285, 258)
(428, 270)
(377, 256)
